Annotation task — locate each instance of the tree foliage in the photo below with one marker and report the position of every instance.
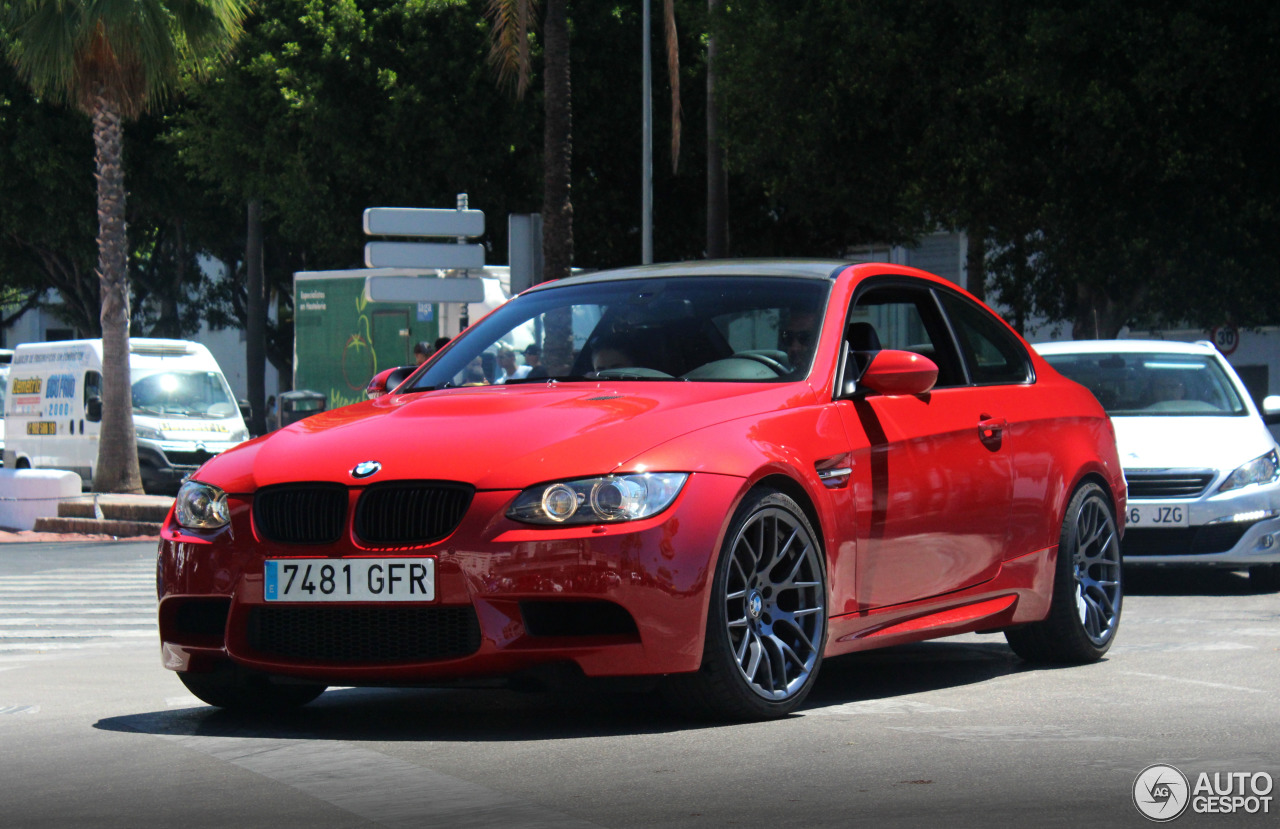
(1114, 155)
(1113, 158)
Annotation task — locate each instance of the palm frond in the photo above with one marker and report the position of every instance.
(131, 50)
(509, 41)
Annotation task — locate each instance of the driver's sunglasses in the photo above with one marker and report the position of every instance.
(802, 337)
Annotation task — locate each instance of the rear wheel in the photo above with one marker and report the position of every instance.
(236, 689)
(1084, 613)
(767, 623)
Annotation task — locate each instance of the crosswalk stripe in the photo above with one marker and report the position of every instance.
(75, 609)
(88, 633)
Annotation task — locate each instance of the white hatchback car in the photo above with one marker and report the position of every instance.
(1202, 467)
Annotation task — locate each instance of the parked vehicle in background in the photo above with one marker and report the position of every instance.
(5, 356)
(183, 410)
(1202, 467)
(722, 473)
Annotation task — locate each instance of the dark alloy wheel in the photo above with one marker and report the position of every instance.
(1085, 610)
(767, 622)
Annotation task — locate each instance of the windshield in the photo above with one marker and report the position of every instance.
(716, 329)
(1153, 384)
(183, 394)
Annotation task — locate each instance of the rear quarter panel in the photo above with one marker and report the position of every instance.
(1061, 437)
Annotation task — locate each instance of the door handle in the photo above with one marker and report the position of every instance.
(991, 428)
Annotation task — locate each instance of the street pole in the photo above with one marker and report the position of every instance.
(646, 178)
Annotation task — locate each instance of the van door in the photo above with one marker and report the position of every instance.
(61, 443)
(89, 422)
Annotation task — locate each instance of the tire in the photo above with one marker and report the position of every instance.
(1265, 578)
(236, 689)
(767, 621)
(1084, 612)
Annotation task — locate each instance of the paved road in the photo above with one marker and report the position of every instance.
(80, 602)
(94, 733)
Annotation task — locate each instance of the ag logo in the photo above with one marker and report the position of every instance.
(1161, 793)
(365, 468)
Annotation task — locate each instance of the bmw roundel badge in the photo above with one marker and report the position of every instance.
(365, 468)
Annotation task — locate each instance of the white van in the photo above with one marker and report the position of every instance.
(183, 409)
(4, 382)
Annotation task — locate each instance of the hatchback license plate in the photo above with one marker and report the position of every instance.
(350, 580)
(1158, 515)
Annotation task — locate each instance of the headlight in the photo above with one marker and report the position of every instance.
(148, 433)
(1261, 470)
(608, 499)
(201, 506)
(240, 436)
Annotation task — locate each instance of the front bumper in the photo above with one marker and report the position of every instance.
(614, 600)
(164, 465)
(1233, 529)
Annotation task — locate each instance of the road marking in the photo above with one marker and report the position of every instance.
(1183, 647)
(1199, 682)
(19, 709)
(880, 706)
(74, 609)
(1008, 733)
(58, 620)
(373, 786)
(86, 633)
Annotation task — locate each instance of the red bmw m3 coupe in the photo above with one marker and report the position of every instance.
(717, 474)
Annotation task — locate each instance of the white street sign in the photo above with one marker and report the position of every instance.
(422, 221)
(423, 255)
(423, 289)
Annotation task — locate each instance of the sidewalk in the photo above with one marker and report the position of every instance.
(99, 517)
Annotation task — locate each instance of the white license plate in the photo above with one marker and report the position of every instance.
(1158, 515)
(350, 580)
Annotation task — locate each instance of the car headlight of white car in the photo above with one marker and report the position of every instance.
(607, 499)
(201, 506)
(1261, 470)
(148, 432)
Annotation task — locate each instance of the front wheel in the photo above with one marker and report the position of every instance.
(1084, 612)
(767, 622)
(236, 689)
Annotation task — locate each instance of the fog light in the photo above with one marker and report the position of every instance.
(1245, 517)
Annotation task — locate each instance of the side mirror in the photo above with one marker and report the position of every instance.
(386, 381)
(1271, 408)
(93, 409)
(900, 372)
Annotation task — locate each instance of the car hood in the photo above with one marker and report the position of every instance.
(1190, 442)
(494, 437)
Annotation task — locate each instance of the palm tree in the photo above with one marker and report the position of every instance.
(509, 54)
(113, 60)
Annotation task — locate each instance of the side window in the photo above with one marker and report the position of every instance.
(907, 319)
(993, 355)
(93, 391)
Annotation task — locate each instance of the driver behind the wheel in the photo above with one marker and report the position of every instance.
(798, 336)
(612, 352)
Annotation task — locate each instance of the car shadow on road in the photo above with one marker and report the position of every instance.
(586, 709)
(1186, 581)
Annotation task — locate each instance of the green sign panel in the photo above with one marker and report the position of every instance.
(341, 340)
